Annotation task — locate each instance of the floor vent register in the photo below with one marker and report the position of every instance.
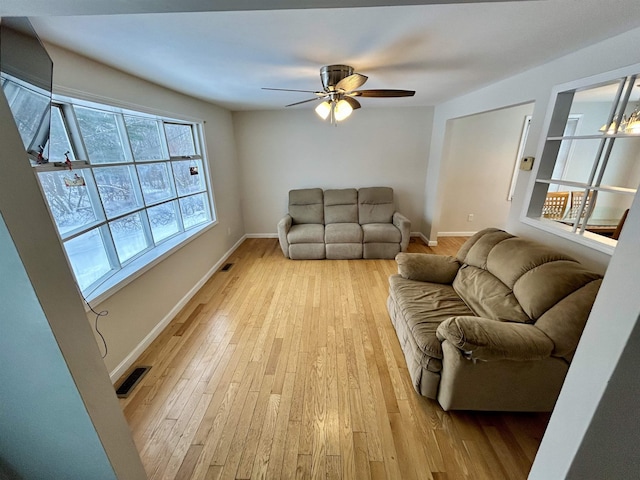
(129, 383)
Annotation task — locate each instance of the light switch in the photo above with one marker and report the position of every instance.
(526, 163)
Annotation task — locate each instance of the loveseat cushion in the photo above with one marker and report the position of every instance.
(488, 296)
(343, 233)
(423, 306)
(306, 233)
(543, 287)
(381, 233)
(341, 206)
(512, 258)
(306, 206)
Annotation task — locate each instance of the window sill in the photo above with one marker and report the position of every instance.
(590, 240)
(142, 264)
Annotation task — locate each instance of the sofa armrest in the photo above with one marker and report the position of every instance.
(284, 225)
(404, 225)
(486, 339)
(427, 268)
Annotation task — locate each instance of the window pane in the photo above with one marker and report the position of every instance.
(28, 108)
(101, 135)
(179, 139)
(579, 158)
(164, 221)
(128, 236)
(118, 189)
(144, 137)
(72, 207)
(189, 176)
(594, 105)
(59, 143)
(88, 258)
(623, 167)
(195, 210)
(156, 182)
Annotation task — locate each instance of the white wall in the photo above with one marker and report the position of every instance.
(533, 85)
(288, 149)
(142, 308)
(478, 160)
(593, 432)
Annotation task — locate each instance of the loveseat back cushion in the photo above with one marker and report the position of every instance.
(513, 279)
(306, 206)
(544, 286)
(511, 258)
(471, 241)
(341, 206)
(375, 205)
(476, 250)
(487, 296)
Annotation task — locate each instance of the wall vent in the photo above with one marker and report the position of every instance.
(227, 267)
(129, 383)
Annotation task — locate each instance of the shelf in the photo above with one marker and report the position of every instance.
(580, 185)
(594, 137)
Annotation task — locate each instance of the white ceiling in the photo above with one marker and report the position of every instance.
(439, 50)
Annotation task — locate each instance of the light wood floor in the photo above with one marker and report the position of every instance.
(291, 369)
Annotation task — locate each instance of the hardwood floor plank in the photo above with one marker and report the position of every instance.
(286, 369)
(253, 436)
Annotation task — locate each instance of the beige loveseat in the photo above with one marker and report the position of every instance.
(343, 224)
(493, 328)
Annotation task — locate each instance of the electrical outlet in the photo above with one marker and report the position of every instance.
(470, 217)
(228, 231)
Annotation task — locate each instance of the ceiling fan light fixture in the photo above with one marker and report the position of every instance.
(323, 110)
(342, 110)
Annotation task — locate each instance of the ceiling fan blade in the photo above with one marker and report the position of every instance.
(291, 90)
(383, 93)
(351, 82)
(353, 102)
(304, 101)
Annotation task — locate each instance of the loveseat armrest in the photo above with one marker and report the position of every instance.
(486, 339)
(284, 225)
(424, 267)
(403, 224)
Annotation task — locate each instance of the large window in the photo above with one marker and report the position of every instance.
(123, 187)
(589, 168)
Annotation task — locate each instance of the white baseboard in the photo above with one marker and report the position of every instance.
(261, 235)
(456, 234)
(429, 243)
(157, 330)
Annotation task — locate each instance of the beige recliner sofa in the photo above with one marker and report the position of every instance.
(493, 328)
(343, 224)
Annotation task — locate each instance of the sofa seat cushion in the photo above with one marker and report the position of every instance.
(342, 233)
(381, 233)
(306, 233)
(423, 307)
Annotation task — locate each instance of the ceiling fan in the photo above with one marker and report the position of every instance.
(340, 85)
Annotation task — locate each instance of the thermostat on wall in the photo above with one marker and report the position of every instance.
(526, 163)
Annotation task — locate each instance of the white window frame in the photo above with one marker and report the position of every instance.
(586, 238)
(135, 266)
